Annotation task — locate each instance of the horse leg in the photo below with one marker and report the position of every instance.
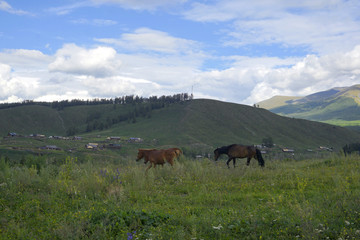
(227, 163)
(248, 161)
(171, 161)
(148, 167)
(234, 161)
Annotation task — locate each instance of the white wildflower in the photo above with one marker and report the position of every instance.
(218, 227)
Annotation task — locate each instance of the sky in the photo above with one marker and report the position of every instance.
(230, 50)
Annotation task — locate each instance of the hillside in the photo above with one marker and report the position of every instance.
(205, 122)
(276, 101)
(340, 106)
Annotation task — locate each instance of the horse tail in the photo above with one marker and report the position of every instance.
(259, 157)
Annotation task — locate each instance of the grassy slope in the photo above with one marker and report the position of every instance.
(231, 123)
(30, 119)
(339, 106)
(206, 122)
(215, 123)
(311, 199)
(276, 101)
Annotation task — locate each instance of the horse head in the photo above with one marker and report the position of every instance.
(140, 154)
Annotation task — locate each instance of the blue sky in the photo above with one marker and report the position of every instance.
(230, 50)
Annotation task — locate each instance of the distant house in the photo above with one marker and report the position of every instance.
(326, 148)
(12, 134)
(133, 139)
(77, 138)
(288, 150)
(92, 146)
(114, 138)
(37, 135)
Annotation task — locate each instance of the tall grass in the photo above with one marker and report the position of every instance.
(309, 199)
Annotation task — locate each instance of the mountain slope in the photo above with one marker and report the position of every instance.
(206, 122)
(216, 123)
(337, 104)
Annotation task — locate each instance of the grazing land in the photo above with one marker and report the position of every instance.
(195, 199)
(54, 185)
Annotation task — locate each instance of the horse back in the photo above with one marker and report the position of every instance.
(241, 151)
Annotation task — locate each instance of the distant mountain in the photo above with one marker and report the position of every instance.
(198, 122)
(340, 106)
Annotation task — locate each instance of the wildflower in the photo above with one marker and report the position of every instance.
(131, 235)
(218, 227)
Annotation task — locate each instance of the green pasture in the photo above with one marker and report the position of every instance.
(196, 199)
(343, 123)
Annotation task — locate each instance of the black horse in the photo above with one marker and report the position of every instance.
(240, 151)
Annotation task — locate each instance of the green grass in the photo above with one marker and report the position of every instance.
(344, 108)
(309, 199)
(343, 123)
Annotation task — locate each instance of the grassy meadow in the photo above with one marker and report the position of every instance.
(195, 199)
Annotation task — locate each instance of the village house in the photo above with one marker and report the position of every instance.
(136, 140)
(92, 146)
(114, 138)
(325, 148)
(288, 150)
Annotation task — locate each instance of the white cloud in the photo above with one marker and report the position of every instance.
(65, 95)
(79, 72)
(141, 4)
(22, 59)
(148, 5)
(4, 6)
(16, 87)
(145, 39)
(321, 26)
(310, 75)
(95, 22)
(246, 82)
(72, 59)
(64, 10)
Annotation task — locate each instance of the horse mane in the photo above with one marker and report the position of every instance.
(225, 149)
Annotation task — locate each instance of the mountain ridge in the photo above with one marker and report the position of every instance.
(337, 105)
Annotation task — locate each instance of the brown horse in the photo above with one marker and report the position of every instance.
(177, 151)
(156, 157)
(239, 151)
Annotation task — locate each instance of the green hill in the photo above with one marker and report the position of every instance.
(203, 122)
(339, 106)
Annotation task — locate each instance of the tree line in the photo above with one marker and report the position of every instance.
(128, 99)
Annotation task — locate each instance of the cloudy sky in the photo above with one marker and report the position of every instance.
(231, 50)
